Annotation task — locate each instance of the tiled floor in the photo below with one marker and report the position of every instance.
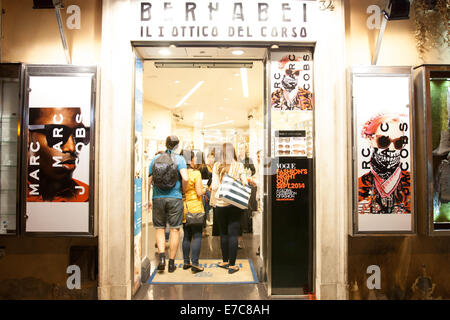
(210, 250)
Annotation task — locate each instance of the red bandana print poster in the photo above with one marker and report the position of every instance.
(383, 167)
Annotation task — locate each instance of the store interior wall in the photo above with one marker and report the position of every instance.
(400, 258)
(34, 267)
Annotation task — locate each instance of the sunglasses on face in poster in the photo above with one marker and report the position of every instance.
(383, 142)
(55, 133)
(293, 72)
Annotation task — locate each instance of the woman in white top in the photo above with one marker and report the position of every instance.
(228, 215)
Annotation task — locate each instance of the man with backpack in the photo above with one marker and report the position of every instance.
(168, 175)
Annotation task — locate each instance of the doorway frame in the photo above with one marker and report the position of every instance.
(267, 120)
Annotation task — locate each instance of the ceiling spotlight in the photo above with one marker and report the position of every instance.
(274, 46)
(172, 46)
(237, 52)
(164, 52)
(230, 88)
(177, 81)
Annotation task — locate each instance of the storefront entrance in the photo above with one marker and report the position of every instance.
(208, 96)
(134, 23)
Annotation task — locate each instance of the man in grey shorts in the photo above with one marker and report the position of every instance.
(168, 207)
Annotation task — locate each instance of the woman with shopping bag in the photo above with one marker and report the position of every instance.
(229, 184)
(194, 213)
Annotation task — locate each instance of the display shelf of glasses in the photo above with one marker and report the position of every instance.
(9, 129)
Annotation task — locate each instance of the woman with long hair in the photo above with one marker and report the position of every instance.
(228, 215)
(193, 203)
(206, 178)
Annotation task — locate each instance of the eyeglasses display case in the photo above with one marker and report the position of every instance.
(10, 131)
(432, 88)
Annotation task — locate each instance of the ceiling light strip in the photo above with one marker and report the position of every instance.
(218, 124)
(189, 93)
(244, 81)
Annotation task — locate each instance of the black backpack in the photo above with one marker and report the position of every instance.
(164, 172)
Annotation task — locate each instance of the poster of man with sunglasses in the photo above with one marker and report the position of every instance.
(56, 138)
(292, 82)
(385, 188)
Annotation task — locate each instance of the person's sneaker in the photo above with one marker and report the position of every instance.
(162, 264)
(172, 267)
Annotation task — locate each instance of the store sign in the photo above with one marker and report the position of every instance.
(58, 139)
(225, 20)
(384, 179)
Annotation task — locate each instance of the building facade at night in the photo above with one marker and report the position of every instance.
(345, 104)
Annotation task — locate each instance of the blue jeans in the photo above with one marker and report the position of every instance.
(206, 205)
(206, 199)
(192, 234)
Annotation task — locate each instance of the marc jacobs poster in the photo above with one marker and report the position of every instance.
(383, 160)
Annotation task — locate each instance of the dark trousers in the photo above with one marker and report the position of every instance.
(192, 234)
(229, 219)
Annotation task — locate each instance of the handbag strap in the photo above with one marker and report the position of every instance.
(234, 168)
(234, 171)
(185, 203)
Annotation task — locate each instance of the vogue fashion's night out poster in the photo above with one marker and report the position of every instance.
(58, 137)
(383, 145)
